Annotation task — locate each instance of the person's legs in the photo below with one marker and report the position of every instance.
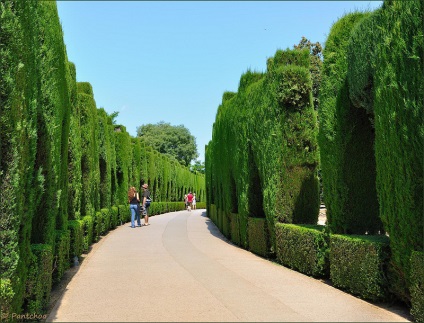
(133, 209)
(146, 216)
(137, 216)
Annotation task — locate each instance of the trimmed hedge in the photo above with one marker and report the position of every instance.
(235, 228)
(346, 139)
(263, 156)
(39, 281)
(88, 232)
(417, 285)
(304, 248)
(61, 254)
(76, 238)
(114, 217)
(258, 236)
(358, 264)
(106, 221)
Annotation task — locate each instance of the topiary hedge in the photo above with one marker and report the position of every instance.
(417, 285)
(76, 238)
(358, 264)
(39, 282)
(61, 254)
(304, 248)
(258, 236)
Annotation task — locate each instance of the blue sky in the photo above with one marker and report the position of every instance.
(172, 60)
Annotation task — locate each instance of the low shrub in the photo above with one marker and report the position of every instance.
(304, 248)
(124, 213)
(258, 236)
(114, 217)
(106, 219)
(97, 226)
(61, 254)
(39, 280)
(358, 264)
(77, 237)
(212, 214)
(200, 205)
(235, 228)
(87, 229)
(226, 224)
(6, 296)
(417, 286)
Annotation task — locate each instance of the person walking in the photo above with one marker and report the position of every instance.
(134, 201)
(185, 202)
(146, 203)
(189, 201)
(194, 201)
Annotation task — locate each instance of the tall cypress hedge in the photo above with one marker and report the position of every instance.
(371, 132)
(346, 138)
(74, 150)
(18, 98)
(399, 143)
(89, 148)
(261, 161)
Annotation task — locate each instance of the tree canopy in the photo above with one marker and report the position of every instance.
(175, 141)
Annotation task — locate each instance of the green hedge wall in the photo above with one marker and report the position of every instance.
(61, 254)
(399, 141)
(263, 156)
(371, 134)
(39, 281)
(358, 264)
(87, 229)
(304, 248)
(258, 236)
(417, 285)
(76, 238)
(346, 139)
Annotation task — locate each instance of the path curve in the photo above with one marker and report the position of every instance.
(181, 269)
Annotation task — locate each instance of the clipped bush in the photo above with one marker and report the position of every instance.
(258, 236)
(235, 228)
(124, 213)
(114, 217)
(346, 139)
(6, 297)
(61, 254)
(75, 228)
(304, 248)
(200, 205)
(417, 285)
(358, 264)
(97, 226)
(106, 219)
(88, 232)
(39, 281)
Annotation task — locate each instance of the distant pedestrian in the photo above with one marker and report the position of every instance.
(189, 201)
(185, 201)
(194, 201)
(134, 201)
(146, 203)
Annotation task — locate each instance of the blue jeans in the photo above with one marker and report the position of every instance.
(134, 215)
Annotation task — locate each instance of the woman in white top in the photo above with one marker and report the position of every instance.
(193, 204)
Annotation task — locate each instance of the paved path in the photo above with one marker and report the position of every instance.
(181, 269)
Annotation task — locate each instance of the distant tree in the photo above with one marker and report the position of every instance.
(315, 50)
(198, 167)
(175, 141)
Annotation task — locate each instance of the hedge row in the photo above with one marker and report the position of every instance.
(261, 160)
(263, 156)
(371, 136)
(64, 164)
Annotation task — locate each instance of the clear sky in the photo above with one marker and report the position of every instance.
(172, 60)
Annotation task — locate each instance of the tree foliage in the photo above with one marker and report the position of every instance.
(175, 141)
(315, 50)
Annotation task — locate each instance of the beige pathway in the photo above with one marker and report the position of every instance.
(181, 269)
